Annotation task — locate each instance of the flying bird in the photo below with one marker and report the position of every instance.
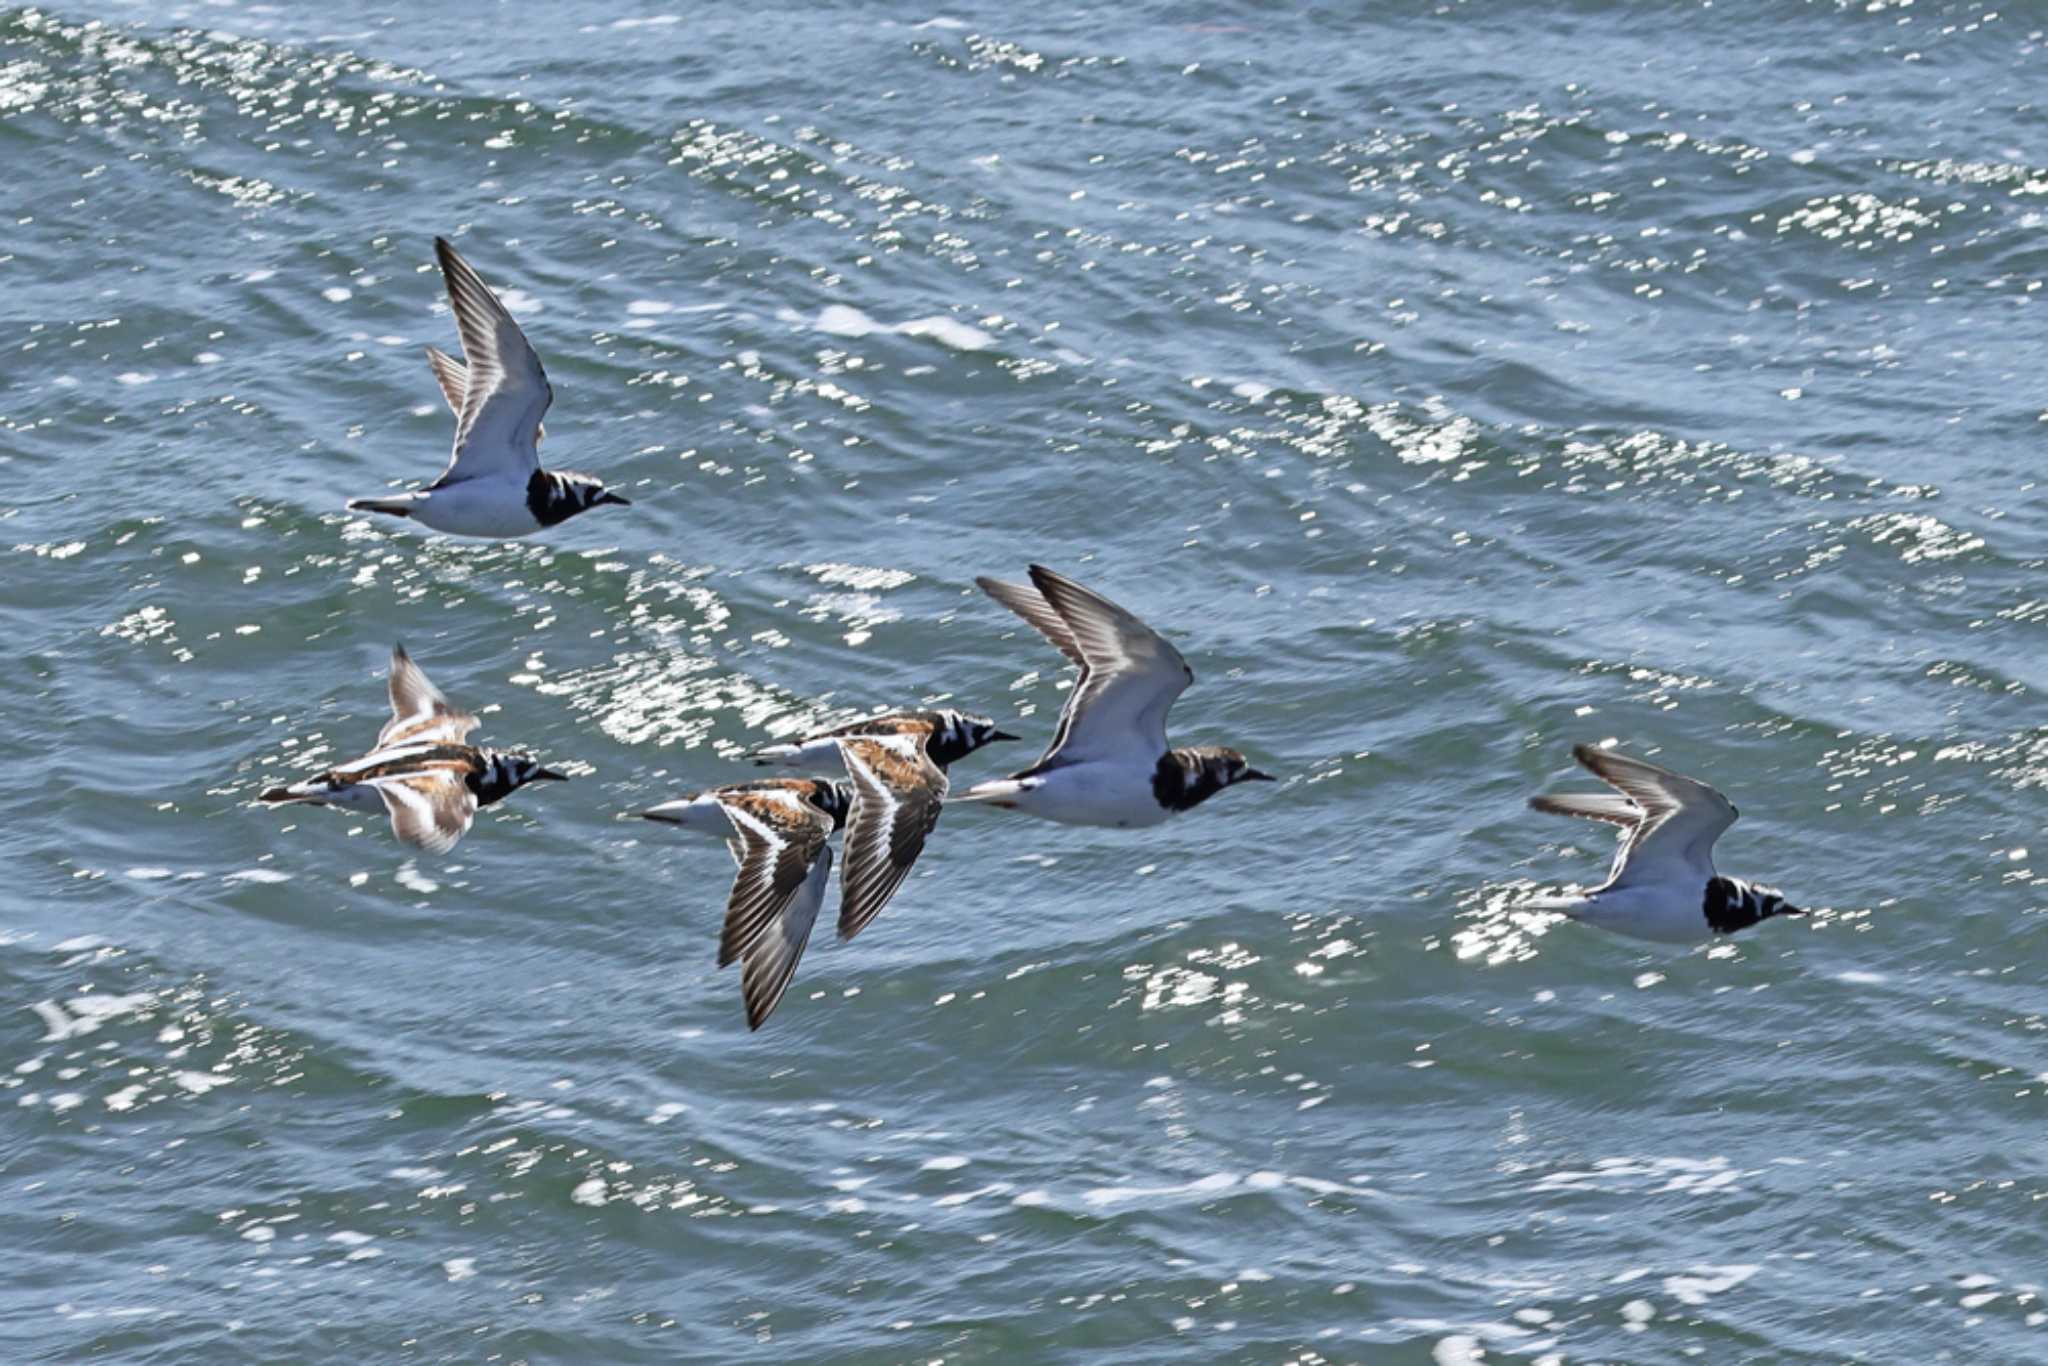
(778, 830)
(1109, 763)
(1663, 885)
(898, 765)
(420, 772)
(948, 736)
(494, 485)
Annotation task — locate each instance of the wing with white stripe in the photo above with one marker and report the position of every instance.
(453, 377)
(1681, 819)
(1130, 675)
(770, 960)
(505, 391)
(785, 863)
(897, 794)
(419, 712)
(430, 809)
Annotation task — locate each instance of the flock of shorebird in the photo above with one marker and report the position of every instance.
(1109, 763)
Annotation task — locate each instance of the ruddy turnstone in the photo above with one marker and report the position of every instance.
(420, 771)
(1663, 885)
(898, 766)
(948, 737)
(494, 485)
(778, 830)
(1109, 763)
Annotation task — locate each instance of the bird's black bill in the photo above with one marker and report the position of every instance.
(609, 497)
(549, 775)
(1252, 775)
(1003, 735)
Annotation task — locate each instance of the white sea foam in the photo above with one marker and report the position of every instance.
(1108, 1197)
(85, 1013)
(1703, 1281)
(412, 879)
(843, 320)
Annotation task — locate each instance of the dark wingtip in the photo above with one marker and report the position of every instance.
(276, 794)
(1002, 735)
(1253, 775)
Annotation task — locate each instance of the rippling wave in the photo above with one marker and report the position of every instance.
(1451, 385)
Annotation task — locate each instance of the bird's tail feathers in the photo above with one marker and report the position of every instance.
(391, 507)
(995, 790)
(296, 792)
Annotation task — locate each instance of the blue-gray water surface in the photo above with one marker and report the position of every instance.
(1451, 382)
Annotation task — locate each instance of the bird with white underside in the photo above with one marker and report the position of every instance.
(1109, 762)
(1662, 886)
(420, 772)
(494, 485)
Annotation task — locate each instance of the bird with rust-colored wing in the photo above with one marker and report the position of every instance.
(898, 763)
(897, 792)
(947, 736)
(420, 773)
(778, 830)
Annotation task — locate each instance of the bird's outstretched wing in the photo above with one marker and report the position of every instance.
(897, 793)
(430, 809)
(419, 713)
(1671, 821)
(1130, 674)
(453, 377)
(505, 391)
(785, 864)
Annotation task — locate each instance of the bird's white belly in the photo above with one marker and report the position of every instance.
(1666, 915)
(1115, 795)
(477, 507)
